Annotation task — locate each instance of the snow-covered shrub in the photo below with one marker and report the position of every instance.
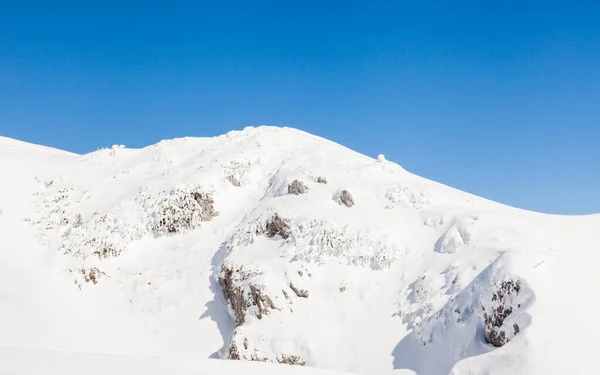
(321, 180)
(406, 197)
(320, 241)
(236, 171)
(102, 236)
(244, 349)
(92, 274)
(57, 207)
(177, 210)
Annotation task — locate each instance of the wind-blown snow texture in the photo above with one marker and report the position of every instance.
(270, 244)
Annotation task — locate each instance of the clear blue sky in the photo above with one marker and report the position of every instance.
(499, 100)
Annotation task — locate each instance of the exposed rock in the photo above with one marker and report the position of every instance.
(346, 198)
(278, 226)
(502, 308)
(321, 180)
(233, 351)
(205, 202)
(234, 181)
(297, 187)
(299, 292)
(233, 294)
(240, 301)
(263, 302)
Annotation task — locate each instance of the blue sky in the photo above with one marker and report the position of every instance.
(499, 100)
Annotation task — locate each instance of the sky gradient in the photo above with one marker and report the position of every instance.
(502, 101)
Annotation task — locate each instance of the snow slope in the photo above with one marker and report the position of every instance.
(33, 362)
(200, 248)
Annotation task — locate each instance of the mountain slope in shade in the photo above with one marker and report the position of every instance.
(270, 244)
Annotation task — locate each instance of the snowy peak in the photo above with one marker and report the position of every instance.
(291, 249)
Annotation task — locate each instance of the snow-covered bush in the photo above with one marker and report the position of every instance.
(92, 274)
(102, 236)
(320, 241)
(176, 210)
(406, 197)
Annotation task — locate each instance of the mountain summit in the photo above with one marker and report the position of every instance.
(274, 245)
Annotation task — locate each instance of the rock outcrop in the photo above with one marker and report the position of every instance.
(241, 298)
(497, 332)
(346, 198)
(297, 187)
(278, 226)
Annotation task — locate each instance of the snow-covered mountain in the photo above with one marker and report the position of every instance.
(270, 244)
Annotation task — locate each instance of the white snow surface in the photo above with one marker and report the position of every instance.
(110, 263)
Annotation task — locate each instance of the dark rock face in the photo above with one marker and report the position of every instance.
(206, 203)
(346, 198)
(240, 301)
(297, 187)
(233, 294)
(262, 301)
(321, 180)
(234, 353)
(278, 226)
(299, 292)
(502, 307)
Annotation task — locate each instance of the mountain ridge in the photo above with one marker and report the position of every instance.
(249, 232)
